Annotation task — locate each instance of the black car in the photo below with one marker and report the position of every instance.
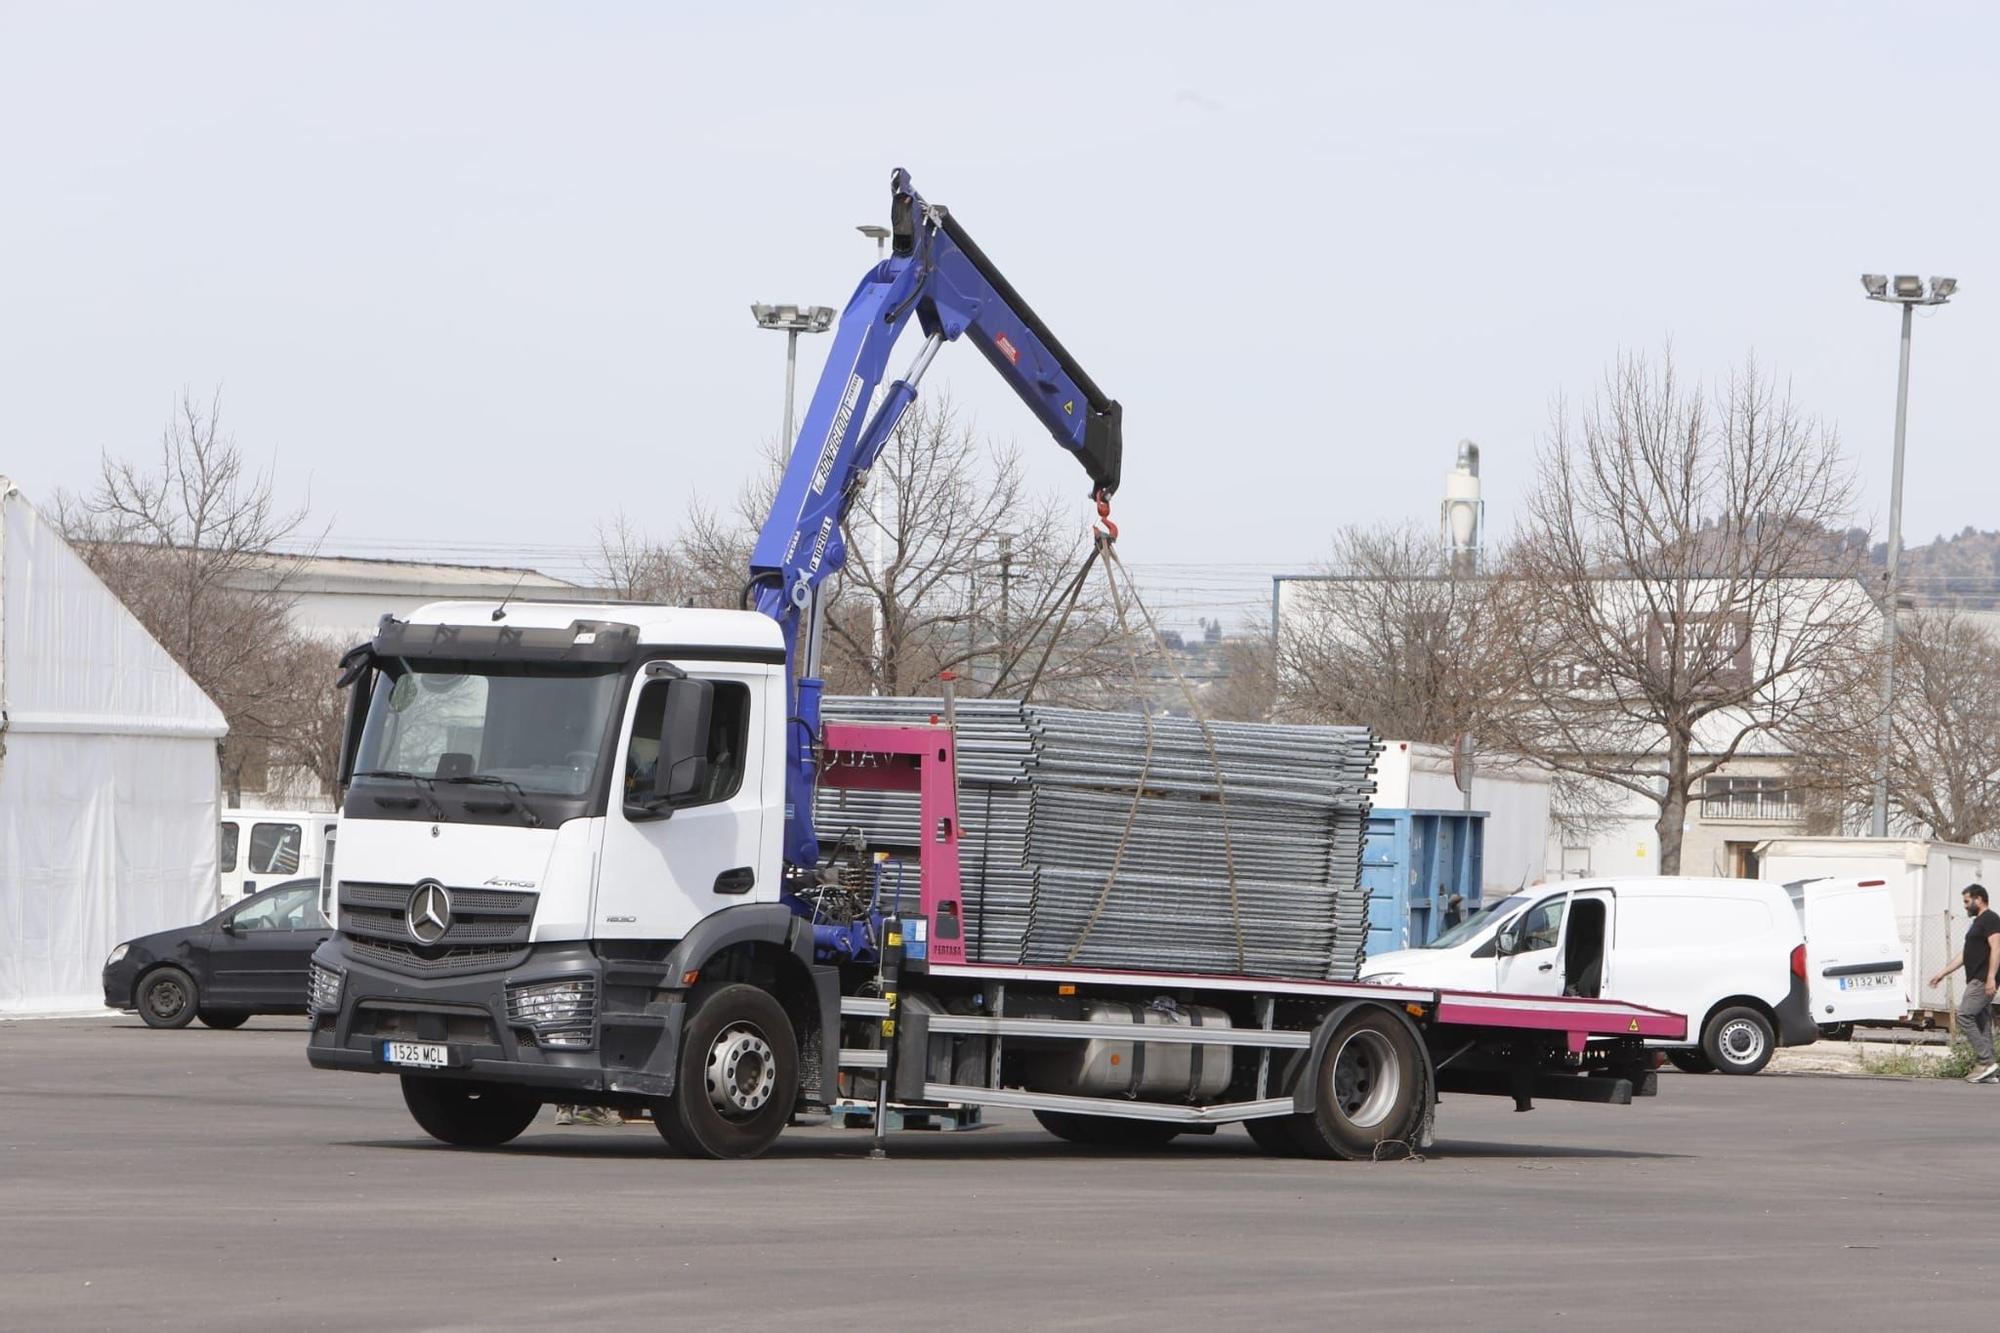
(248, 959)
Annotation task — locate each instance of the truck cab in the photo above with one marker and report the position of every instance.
(516, 866)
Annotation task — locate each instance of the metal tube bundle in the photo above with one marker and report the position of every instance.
(1068, 859)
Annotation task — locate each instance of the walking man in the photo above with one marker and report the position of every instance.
(1981, 956)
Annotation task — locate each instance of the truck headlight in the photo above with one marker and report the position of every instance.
(323, 988)
(561, 1013)
(117, 955)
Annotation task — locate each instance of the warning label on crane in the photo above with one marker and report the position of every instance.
(1007, 349)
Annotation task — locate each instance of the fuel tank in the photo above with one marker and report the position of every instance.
(1115, 1065)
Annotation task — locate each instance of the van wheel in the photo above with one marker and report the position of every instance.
(466, 1114)
(1690, 1061)
(1370, 1089)
(167, 998)
(223, 1019)
(736, 1078)
(1107, 1131)
(1739, 1041)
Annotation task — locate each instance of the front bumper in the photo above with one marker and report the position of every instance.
(119, 979)
(634, 1035)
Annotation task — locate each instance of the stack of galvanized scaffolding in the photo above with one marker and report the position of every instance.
(1067, 859)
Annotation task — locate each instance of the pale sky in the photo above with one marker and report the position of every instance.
(478, 275)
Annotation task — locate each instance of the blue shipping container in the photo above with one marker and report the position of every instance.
(1411, 864)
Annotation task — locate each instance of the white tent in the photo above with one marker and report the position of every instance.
(108, 780)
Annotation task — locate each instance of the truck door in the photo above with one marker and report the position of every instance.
(1529, 960)
(659, 875)
(1855, 969)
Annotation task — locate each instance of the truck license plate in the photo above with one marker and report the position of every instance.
(1869, 981)
(417, 1054)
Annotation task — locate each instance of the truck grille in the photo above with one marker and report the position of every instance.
(429, 963)
(487, 928)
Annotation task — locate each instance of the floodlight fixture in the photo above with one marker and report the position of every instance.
(793, 318)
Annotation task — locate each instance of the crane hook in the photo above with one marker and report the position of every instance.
(1110, 530)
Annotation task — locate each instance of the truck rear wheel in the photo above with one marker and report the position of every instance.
(736, 1078)
(1370, 1089)
(467, 1114)
(1107, 1131)
(1690, 1061)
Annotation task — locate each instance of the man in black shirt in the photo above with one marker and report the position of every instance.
(1981, 956)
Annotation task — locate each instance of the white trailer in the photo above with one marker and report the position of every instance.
(1513, 794)
(1924, 880)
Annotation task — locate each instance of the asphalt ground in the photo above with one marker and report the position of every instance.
(213, 1180)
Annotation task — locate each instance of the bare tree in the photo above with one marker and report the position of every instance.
(1247, 690)
(1678, 587)
(1387, 637)
(188, 543)
(974, 579)
(1944, 758)
(975, 576)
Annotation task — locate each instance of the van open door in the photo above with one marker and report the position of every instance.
(1855, 969)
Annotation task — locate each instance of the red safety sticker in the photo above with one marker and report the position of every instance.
(1007, 349)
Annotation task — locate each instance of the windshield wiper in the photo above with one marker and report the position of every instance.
(422, 784)
(508, 785)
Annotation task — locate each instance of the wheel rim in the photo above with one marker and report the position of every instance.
(166, 998)
(1367, 1079)
(742, 1072)
(1740, 1041)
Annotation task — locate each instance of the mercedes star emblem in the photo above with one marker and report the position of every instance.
(430, 912)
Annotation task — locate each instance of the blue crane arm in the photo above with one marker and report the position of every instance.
(936, 275)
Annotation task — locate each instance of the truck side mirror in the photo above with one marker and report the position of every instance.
(1508, 943)
(683, 767)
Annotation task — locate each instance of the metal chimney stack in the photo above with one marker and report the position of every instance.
(1462, 517)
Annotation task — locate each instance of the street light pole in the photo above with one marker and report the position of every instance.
(879, 234)
(1909, 293)
(792, 320)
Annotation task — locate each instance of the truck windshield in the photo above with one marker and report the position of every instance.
(1473, 925)
(538, 726)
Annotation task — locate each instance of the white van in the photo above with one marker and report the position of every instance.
(1923, 881)
(260, 848)
(1855, 964)
(1728, 953)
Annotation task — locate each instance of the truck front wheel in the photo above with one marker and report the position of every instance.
(466, 1114)
(737, 1077)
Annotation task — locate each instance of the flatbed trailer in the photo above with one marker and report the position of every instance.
(1323, 1068)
